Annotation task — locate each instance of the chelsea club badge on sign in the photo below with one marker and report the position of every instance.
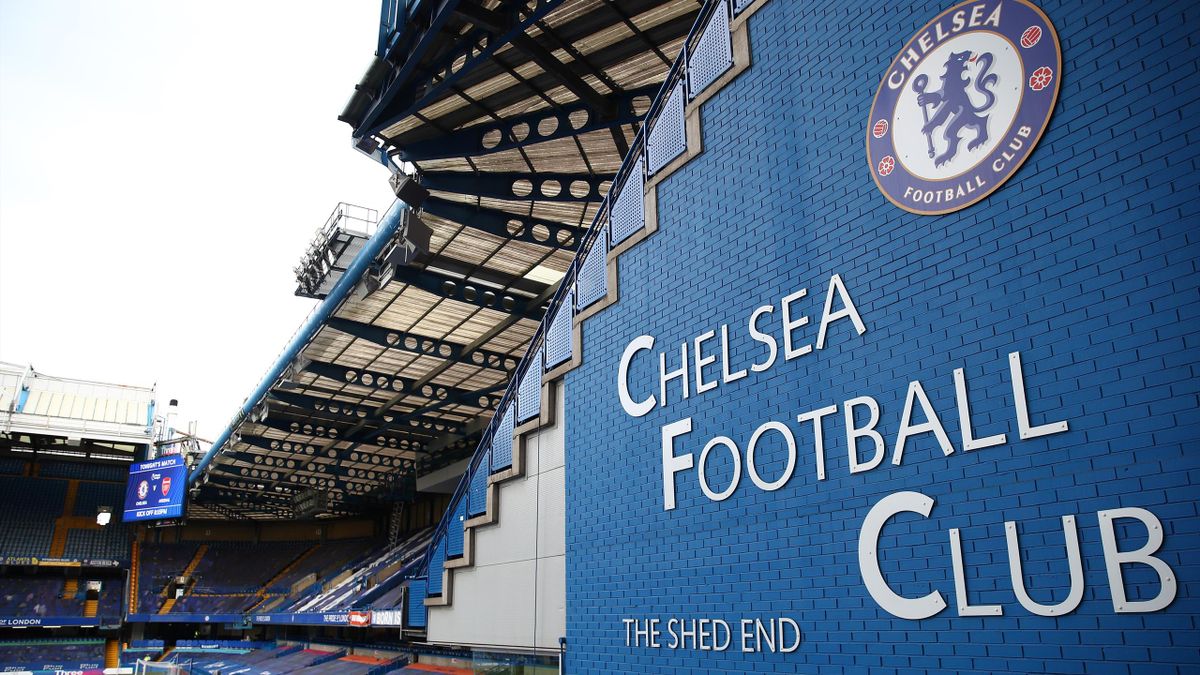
(963, 105)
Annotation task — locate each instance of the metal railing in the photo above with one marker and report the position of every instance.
(637, 150)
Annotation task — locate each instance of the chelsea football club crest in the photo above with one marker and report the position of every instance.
(963, 105)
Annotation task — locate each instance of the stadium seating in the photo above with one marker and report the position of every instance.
(113, 473)
(378, 574)
(324, 559)
(107, 543)
(141, 649)
(243, 567)
(64, 654)
(22, 596)
(91, 496)
(157, 565)
(28, 596)
(12, 466)
(29, 509)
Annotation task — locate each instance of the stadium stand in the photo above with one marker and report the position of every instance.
(22, 596)
(92, 495)
(12, 466)
(141, 649)
(53, 655)
(29, 508)
(111, 473)
(375, 572)
(157, 565)
(106, 543)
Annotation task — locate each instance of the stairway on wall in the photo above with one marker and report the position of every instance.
(720, 52)
(169, 603)
(58, 543)
(70, 588)
(187, 571)
(133, 577)
(90, 607)
(263, 596)
(112, 653)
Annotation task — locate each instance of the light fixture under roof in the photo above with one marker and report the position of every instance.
(543, 274)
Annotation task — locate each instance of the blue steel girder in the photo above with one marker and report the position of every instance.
(420, 344)
(471, 49)
(301, 454)
(277, 475)
(314, 428)
(399, 384)
(507, 225)
(493, 394)
(572, 119)
(393, 421)
(469, 292)
(551, 187)
(243, 491)
(382, 432)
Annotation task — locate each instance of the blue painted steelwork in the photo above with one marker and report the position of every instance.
(502, 224)
(388, 226)
(420, 344)
(573, 119)
(595, 241)
(444, 73)
(22, 398)
(543, 186)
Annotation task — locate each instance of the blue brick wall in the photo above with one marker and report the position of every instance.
(1085, 262)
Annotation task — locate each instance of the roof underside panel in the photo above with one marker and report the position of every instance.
(517, 146)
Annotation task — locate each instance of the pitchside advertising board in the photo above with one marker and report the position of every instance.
(883, 439)
(156, 489)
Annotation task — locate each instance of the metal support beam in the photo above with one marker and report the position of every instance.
(329, 477)
(313, 428)
(377, 380)
(507, 225)
(496, 22)
(399, 422)
(469, 50)
(470, 292)
(551, 187)
(453, 269)
(420, 344)
(572, 119)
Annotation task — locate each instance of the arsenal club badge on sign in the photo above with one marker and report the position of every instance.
(963, 104)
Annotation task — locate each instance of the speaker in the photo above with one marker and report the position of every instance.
(408, 190)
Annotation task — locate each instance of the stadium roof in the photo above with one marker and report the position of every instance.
(73, 417)
(515, 117)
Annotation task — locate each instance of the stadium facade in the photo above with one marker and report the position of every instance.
(738, 336)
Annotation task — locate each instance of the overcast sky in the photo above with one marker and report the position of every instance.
(163, 166)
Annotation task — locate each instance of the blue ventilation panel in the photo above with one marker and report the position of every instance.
(477, 494)
(713, 53)
(436, 563)
(591, 284)
(415, 616)
(529, 395)
(668, 138)
(455, 533)
(558, 335)
(628, 214)
(502, 442)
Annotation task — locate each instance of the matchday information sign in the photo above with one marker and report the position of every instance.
(156, 489)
